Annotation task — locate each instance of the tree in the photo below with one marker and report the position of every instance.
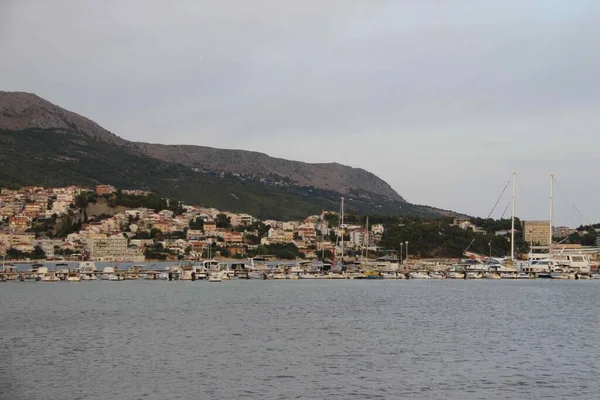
(223, 221)
(197, 224)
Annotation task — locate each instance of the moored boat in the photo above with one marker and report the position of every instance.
(73, 277)
(50, 277)
(419, 275)
(437, 275)
(473, 275)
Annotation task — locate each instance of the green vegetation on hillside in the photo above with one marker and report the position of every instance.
(53, 158)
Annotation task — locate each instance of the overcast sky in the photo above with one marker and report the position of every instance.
(443, 99)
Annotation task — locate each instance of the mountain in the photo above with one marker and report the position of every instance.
(45, 144)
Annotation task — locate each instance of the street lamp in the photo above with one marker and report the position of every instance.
(406, 249)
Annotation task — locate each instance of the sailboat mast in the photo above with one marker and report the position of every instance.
(368, 239)
(551, 212)
(342, 228)
(512, 222)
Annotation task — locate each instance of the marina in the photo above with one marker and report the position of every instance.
(562, 267)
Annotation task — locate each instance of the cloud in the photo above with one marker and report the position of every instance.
(443, 99)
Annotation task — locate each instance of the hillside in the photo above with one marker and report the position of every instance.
(47, 145)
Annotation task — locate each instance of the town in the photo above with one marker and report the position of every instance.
(137, 225)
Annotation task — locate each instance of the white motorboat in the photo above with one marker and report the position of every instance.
(437, 275)
(107, 271)
(595, 276)
(256, 275)
(215, 277)
(73, 277)
(473, 275)
(583, 276)
(50, 277)
(87, 270)
(559, 273)
(114, 277)
(456, 275)
(419, 275)
(491, 275)
(525, 275)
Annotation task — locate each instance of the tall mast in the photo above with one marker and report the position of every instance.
(551, 211)
(342, 228)
(512, 222)
(322, 237)
(367, 237)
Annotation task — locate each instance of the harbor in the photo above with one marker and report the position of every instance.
(563, 267)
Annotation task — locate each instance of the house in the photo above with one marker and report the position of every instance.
(233, 237)
(105, 189)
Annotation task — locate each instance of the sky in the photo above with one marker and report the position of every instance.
(443, 99)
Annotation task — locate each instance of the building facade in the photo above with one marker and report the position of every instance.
(537, 232)
(101, 246)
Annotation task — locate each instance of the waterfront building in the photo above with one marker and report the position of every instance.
(537, 232)
(101, 246)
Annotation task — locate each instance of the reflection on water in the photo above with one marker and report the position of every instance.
(300, 339)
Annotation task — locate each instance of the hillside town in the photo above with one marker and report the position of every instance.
(178, 231)
(109, 224)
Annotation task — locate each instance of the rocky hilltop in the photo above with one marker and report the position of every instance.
(66, 148)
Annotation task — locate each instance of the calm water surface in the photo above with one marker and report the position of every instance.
(300, 340)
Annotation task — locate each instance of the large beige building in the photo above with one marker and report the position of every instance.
(537, 232)
(101, 246)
